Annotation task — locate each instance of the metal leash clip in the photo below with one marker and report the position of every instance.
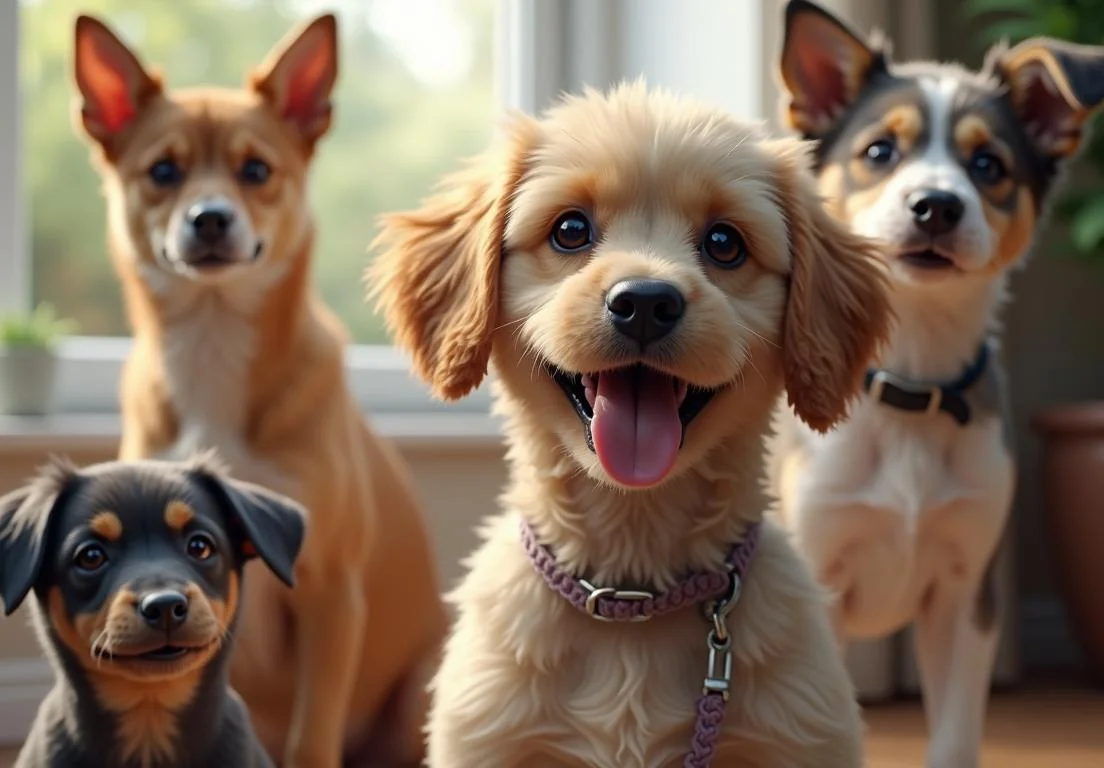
(717, 611)
(718, 677)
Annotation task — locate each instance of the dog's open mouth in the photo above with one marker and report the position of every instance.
(216, 258)
(634, 418)
(168, 653)
(165, 654)
(210, 260)
(927, 259)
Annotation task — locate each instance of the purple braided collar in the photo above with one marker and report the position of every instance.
(612, 604)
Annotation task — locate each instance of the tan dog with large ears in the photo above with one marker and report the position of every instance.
(211, 234)
(644, 274)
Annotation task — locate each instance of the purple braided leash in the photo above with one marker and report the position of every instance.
(707, 731)
(610, 604)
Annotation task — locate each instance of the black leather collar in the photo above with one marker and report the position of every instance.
(905, 395)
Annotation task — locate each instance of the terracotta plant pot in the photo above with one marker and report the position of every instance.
(1073, 494)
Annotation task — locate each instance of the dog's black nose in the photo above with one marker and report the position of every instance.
(165, 610)
(644, 310)
(211, 219)
(935, 211)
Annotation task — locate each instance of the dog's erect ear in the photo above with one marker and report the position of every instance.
(113, 84)
(272, 525)
(24, 522)
(823, 67)
(435, 278)
(837, 311)
(1055, 86)
(298, 76)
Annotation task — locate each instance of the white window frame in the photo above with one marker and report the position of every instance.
(545, 47)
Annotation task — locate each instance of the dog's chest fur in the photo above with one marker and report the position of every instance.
(912, 462)
(891, 503)
(550, 684)
(208, 345)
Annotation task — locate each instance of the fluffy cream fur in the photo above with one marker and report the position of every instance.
(470, 278)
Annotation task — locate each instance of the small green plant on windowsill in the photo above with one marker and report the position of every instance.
(28, 360)
(1080, 205)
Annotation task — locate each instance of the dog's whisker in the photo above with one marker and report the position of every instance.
(755, 368)
(757, 335)
(101, 645)
(508, 323)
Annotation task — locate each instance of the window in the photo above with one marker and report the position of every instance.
(415, 93)
(421, 82)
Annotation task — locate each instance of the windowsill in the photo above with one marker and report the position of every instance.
(73, 432)
(89, 369)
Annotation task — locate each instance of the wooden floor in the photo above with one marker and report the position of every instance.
(1040, 728)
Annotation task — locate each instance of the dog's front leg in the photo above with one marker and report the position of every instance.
(956, 646)
(329, 635)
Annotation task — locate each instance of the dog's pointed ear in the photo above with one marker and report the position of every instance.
(837, 310)
(24, 524)
(1055, 87)
(112, 83)
(298, 76)
(435, 278)
(823, 67)
(272, 525)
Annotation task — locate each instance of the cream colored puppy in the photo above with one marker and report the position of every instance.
(645, 274)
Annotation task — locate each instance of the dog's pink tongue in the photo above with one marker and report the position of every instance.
(636, 427)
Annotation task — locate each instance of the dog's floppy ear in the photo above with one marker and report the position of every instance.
(113, 84)
(824, 65)
(1055, 86)
(298, 76)
(837, 310)
(273, 526)
(24, 523)
(435, 276)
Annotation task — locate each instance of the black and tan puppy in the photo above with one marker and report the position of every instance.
(136, 573)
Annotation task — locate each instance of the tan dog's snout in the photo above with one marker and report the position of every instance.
(209, 231)
(139, 621)
(644, 310)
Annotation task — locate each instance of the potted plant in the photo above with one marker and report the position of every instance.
(1071, 434)
(28, 360)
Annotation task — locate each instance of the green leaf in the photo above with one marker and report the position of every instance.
(1014, 30)
(1087, 226)
(39, 328)
(1060, 21)
(1070, 203)
(971, 9)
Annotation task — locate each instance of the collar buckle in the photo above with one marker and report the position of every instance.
(597, 593)
(881, 378)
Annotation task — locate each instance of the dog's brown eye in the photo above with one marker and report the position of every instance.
(571, 233)
(724, 246)
(254, 171)
(987, 167)
(881, 152)
(166, 173)
(200, 547)
(90, 557)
